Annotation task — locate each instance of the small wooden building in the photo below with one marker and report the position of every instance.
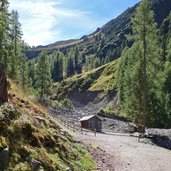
(92, 122)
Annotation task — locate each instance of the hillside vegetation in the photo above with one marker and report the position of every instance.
(98, 80)
(28, 131)
(66, 58)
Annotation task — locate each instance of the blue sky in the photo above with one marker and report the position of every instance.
(47, 21)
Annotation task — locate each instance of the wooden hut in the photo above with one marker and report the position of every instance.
(92, 122)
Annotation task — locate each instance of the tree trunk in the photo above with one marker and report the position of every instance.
(3, 85)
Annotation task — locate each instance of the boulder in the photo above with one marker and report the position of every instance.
(3, 85)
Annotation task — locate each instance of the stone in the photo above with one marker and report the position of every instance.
(40, 120)
(3, 85)
(35, 164)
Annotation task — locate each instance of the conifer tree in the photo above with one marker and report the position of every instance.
(167, 83)
(83, 58)
(32, 72)
(57, 73)
(76, 56)
(4, 32)
(96, 62)
(16, 44)
(23, 75)
(69, 63)
(43, 75)
(139, 83)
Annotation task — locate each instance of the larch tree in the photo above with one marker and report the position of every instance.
(139, 83)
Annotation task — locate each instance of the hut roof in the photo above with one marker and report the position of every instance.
(86, 118)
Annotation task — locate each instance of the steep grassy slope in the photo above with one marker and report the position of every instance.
(100, 79)
(27, 130)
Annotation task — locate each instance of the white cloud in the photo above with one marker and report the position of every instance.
(47, 21)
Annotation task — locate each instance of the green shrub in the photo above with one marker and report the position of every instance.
(67, 103)
(7, 114)
(56, 104)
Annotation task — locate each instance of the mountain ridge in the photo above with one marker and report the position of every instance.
(111, 35)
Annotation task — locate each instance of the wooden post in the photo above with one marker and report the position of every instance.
(3, 85)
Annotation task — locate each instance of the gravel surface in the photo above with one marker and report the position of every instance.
(122, 152)
(129, 154)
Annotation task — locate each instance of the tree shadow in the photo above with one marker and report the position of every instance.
(162, 141)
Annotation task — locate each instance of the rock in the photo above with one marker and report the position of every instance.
(68, 169)
(4, 155)
(3, 85)
(40, 120)
(35, 164)
(132, 127)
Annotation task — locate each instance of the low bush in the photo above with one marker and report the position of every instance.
(67, 103)
(56, 104)
(7, 114)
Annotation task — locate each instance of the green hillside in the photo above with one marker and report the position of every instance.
(100, 79)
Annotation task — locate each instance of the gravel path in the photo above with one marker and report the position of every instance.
(121, 152)
(129, 154)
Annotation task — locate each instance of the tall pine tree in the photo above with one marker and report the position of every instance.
(140, 84)
(4, 32)
(16, 44)
(43, 75)
(57, 72)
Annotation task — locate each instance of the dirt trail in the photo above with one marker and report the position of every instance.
(129, 154)
(124, 153)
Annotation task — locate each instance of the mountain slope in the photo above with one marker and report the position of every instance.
(98, 80)
(109, 38)
(28, 132)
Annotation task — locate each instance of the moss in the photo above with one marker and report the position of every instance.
(56, 150)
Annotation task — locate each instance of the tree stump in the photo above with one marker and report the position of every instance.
(3, 85)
